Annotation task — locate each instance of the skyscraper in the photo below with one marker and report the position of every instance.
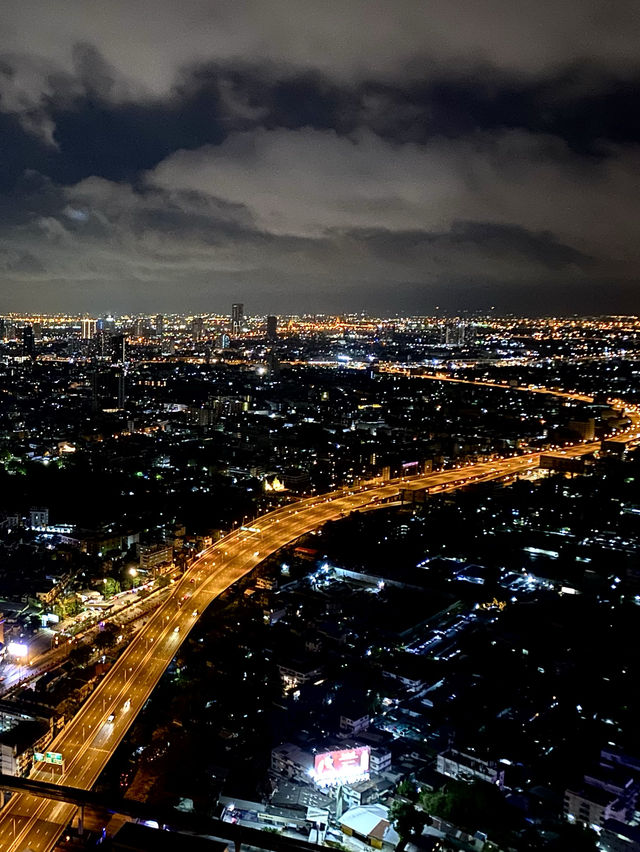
(272, 328)
(118, 349)
(108, 388)
(89, 327)
(455, 333)
(197, 328)
(121, 388)
(139, 328)
(159, 323)
(237, 317)
(28, 342)
(273, 364)
(104, 344)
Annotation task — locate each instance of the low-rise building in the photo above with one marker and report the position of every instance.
(298, 672)
(466, 767)
(361, 793)
(380, 760)
(371, 825)
(18, 744)
(292, 762)
(352, 724)
(609, 792)
(152, 556)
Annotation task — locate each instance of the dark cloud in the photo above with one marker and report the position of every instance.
(339, 152)
(21, 152)
(504, 243)
(95, 133)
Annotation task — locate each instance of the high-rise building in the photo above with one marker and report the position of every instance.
(139, 328)
(28, 342)
(89, 327)
(121, 388)
(159, 324)
(108, 388)
(237, 318)
(455, 334)
(197, 328)
(272, 328)
(273, 364)
(104, 344)
(118, 349)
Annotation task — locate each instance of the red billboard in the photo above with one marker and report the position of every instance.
(336, 767)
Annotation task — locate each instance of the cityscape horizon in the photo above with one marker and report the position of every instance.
(319, 426)
(312, 543)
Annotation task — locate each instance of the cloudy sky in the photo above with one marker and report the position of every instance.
(177, 155)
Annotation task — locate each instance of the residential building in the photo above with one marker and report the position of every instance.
(237, 318)
(89, 328)
(466, 767)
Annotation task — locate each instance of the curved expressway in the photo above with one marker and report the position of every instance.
(89, 740)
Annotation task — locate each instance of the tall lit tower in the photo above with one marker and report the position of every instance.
(272, 328)
(159, 322)
(197, 328)
(28, 342)
(118, 349)
(237, 317)
(89, 327)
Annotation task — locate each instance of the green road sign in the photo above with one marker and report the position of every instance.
(53, 757)
(38, 757)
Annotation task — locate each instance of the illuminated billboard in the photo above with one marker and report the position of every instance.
(18, 649)
(343, 766)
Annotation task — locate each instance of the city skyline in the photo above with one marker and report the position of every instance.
(335, 559)
(164, 158)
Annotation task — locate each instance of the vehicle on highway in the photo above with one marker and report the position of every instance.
(111, 717)
(176, 629)
(127, 704)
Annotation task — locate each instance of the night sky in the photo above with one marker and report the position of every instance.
(320, 155)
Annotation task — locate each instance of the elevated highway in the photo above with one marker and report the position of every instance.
(90, 738)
